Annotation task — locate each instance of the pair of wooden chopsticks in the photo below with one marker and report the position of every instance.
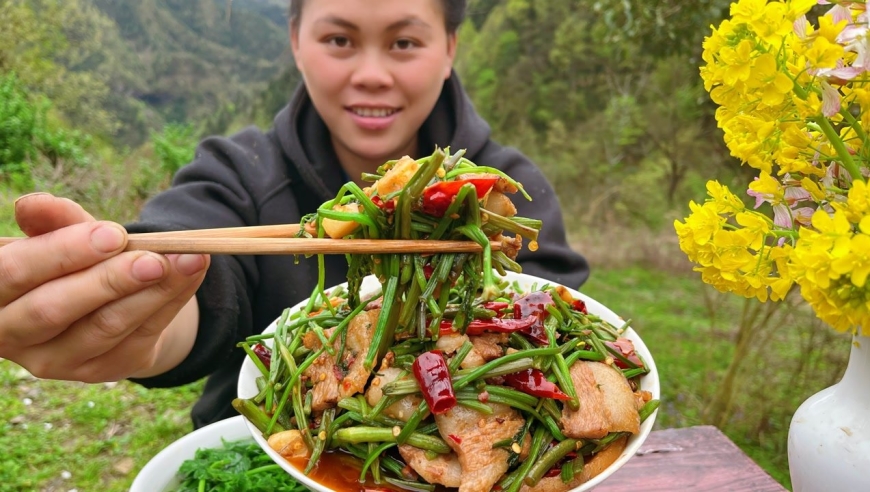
(278, 240)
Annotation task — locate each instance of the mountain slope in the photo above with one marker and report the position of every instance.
(190, 57)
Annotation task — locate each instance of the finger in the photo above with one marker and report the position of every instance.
(48, 310)
(138, 351)
(28, 264)
(104, 341)
(193, 266)
(39, 213)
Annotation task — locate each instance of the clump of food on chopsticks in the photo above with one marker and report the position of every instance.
(447, 376)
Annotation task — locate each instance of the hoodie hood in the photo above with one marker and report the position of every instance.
(306, 142)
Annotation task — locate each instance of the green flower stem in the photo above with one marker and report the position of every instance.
(322, 437)
(585, 355)
(463, 352)
(832, 136)
(510, 225)
(840, 147)
(539, 441)
(855, 124)
(253, 413)
(549, 460)
(256, 360)
(419, 414)
(648, 408)
(372, 458)
(357, 435)
(410, 386)
(355, 412)
(505, 395)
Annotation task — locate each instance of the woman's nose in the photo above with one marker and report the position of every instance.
(372, 72)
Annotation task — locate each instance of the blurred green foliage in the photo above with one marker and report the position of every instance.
(26, 134)
(174, 147)
(602, 98)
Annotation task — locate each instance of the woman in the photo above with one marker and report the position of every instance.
(378, 84)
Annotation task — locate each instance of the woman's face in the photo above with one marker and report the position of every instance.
(374, 70)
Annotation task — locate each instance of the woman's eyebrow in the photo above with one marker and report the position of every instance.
(408, 21)
(338, 21)
(395, 26)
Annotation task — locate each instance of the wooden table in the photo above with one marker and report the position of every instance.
(690, 459)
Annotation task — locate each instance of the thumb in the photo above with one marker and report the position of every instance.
(39, 213)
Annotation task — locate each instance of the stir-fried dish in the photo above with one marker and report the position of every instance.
(446, 377)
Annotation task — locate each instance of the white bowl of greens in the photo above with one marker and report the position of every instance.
(221, 455)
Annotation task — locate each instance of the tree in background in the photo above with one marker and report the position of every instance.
(606, 97)
(27, 134)
(49, 44)
(174, 147)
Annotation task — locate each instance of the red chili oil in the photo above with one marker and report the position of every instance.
(340, 472)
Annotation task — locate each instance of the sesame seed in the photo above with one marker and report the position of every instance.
(515, 447)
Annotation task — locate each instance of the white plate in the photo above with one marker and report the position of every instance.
(160, 472)
(247, 387)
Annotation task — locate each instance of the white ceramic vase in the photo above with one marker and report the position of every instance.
(829, 436)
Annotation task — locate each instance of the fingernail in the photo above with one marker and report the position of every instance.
(190, 264)
(148, 268)
(22, 197)
(107, 238)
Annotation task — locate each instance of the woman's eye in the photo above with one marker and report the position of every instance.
(339, 41)
(403, 44)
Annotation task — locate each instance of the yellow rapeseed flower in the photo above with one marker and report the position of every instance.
(792, 103)
(824, 53)
(856, 262)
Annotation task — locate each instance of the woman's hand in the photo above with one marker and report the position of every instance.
(75, 306)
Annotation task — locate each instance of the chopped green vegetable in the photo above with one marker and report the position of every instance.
(240, 466)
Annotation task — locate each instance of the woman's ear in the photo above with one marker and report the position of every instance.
(452, 41)
(293, 29)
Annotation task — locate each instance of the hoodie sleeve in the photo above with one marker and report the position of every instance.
(554, 260)
(212, 192)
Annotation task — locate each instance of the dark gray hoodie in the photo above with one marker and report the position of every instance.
(256, 178)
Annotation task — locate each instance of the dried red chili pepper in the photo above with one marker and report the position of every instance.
(387, 206)
(626, 348)
(431, 373)
(534, 304)
(494, 325)
(438, 197)
(500, 325)
(533, 382)
(579, 305)
(496, 306)
(263, 353)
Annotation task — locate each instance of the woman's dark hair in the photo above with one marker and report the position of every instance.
(454, 13)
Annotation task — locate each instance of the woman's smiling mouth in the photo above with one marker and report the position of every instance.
(369, 112)
(372, 118)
